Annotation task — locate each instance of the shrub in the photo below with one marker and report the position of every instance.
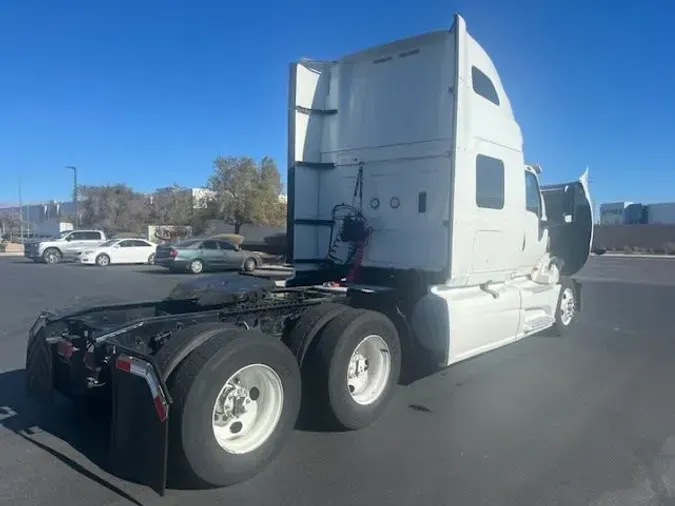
(233, 238)
(124, 235)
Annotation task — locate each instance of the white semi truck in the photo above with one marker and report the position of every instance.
(407, 187)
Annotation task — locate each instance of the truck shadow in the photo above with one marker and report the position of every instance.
(85, 429)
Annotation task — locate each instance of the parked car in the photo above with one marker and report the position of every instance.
(120, 251)
(66, 246)
(197, 255)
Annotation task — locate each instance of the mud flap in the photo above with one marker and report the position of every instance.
(140, 424)
(39, 362)
(577, 294)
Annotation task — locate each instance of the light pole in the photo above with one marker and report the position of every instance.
(20, 212)
(74, 169)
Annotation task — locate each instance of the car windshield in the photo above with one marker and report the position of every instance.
(64, 234)
(109, 243)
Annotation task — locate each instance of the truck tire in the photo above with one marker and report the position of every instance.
(206, 447)
(310, 323)
(52, 256)
(565, 311)
(355, 367)
(184, 342)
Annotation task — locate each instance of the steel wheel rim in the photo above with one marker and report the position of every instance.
(248, 409)
(369, 370)
(567, 306)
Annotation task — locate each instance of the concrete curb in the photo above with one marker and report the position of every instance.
(634, 255)
(11, 254)
(276, 268)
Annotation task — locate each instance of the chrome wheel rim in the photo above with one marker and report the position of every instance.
(567, 306)
(369, 370)
(248, 409)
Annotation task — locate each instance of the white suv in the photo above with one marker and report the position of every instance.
(64, 247)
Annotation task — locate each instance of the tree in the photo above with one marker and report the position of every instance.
(9, 223)
(114, 208)
(271, 211)
(247, 193)
(203, 216)
(172, 206)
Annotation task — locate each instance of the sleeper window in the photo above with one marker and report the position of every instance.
(483, 86)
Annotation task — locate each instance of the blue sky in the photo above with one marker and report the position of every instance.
(149, 92)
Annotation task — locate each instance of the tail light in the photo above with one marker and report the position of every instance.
(173, 253)
(65, 349)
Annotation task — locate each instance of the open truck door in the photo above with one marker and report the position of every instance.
(569, 219)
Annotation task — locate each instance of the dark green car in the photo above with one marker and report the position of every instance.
(199, 255)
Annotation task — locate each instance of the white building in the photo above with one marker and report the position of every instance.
(42, 219)
(613, 213)
(662, 213)
(201, 197)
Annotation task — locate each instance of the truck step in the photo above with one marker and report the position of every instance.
(538, 323)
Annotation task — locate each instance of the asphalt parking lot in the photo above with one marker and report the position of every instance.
(588, 419)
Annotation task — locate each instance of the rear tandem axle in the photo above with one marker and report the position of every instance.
(205, 385)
